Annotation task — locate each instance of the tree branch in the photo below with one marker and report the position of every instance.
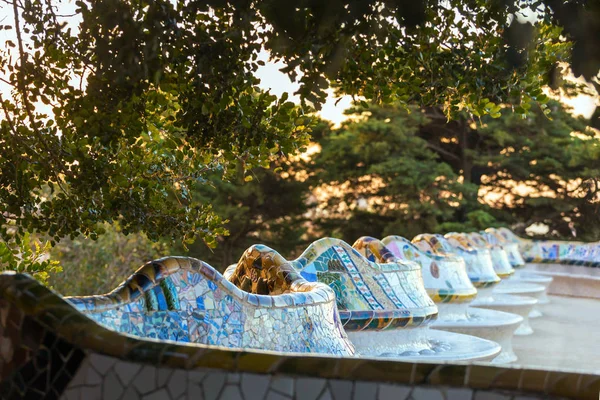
(445, 152)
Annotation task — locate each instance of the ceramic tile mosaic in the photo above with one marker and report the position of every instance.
(570, 253)
(478, 261)
(49, 350)
(186, 300)
(496, 237)
(369, 295)
(445, 277)
(553, 251)
(454, 312)
(500, 261)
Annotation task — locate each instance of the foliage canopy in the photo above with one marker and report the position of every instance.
(119, 112)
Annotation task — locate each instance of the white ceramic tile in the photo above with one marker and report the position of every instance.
(309, 388)
(393, 392)
(254, 386)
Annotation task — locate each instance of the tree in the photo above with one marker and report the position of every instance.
(396, 172)
(91, 267)
(383, 178)
(144, 101)
(541, 170)
(270, 209)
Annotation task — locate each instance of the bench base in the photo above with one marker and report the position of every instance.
(537, 279)
(522, 289)
(423, 344)
(520, 305)
(492, 325)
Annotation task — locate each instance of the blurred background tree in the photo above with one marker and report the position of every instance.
(270, 208)
(379, 177)
(406, 171)
(98, 266)
(132, 116)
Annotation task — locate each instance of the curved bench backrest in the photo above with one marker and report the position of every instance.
(445, 277)
(386, 283)
(184, 299)
(511, 248)
(479, 263)
(433, 244)
(478, 240)
(261, 270)
(479, 260)
(382, 296)
(464, 242)
(508, 235)
(500, 261)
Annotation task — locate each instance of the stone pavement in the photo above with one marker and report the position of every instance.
(566, 337)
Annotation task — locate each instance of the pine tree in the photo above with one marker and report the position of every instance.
(400, 172)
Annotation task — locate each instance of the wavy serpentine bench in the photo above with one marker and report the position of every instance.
(481, 272)
(495, 238)
(555, 251)
(49, 350)
(384, 307)
(567, 264)
(502, 268)
(500, 261)
(446, 279)
(560, 252)
(185, 300)
(499, 237)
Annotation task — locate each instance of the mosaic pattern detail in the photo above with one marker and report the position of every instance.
(569, 253)
(495, 237)
(384, 284)
(500, 261)
(550, 251)
(478, 261)
(186, 300)
(357, 279)
(49, 350)
(445, 277)
(369, 295)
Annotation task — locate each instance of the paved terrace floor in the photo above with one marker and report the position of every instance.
(566, 337)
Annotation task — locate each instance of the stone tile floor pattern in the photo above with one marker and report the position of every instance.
(102, 377)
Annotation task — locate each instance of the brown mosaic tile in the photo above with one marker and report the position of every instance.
(507, 377)
(481, 377)
(533, 380)
(448, 374)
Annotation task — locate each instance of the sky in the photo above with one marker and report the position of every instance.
(271, 78)
(277, 82)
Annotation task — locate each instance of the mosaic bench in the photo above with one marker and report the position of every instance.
(479, 263)
(445, 277)
(502, 268)
(482, 274)
(185, 300)
(384, 307)
(499, 237)
(553, 251)
(49, 350)
(560, 252)
(502, 265)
